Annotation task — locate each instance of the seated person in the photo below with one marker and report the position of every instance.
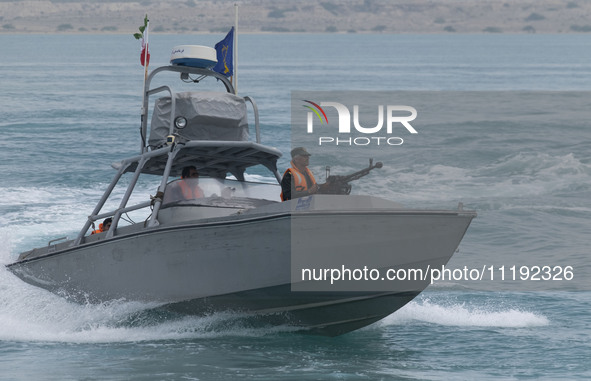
(104, 226)
(187, 188)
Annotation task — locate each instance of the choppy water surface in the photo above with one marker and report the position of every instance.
(69, 106)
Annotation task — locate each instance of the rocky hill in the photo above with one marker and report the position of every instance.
(306, 16)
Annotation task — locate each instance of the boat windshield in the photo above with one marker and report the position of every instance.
(207, 187)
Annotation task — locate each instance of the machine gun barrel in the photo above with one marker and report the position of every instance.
(340, 184)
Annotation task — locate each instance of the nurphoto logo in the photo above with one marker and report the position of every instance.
(393, 115)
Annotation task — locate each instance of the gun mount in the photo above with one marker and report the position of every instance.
(337, 184)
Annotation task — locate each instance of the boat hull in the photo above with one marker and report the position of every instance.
(245, 263)
(324, 313)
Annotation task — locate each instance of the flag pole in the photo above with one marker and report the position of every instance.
(146, 63)
(146, 54)
(235, 77)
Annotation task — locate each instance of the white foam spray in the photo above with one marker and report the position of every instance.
(465, 315)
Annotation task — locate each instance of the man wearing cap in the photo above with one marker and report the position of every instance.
(298, 180)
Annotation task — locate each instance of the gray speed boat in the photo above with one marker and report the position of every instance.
(235, 246)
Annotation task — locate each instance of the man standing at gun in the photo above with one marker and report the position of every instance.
(298, 180)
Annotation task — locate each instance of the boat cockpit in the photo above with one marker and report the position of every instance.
(208, 130)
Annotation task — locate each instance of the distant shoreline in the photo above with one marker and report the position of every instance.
(305, 16)
(277, 33)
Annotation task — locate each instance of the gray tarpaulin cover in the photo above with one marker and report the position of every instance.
(210, 116)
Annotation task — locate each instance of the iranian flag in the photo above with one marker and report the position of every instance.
(143, 37)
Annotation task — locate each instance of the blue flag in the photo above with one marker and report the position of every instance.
(225, 55)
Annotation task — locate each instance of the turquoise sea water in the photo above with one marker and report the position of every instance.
(69, 106)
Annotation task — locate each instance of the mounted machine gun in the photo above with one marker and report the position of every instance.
(340, 184)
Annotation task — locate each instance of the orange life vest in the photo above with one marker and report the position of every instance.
(189, 192)
(299, 182)
(99, 230)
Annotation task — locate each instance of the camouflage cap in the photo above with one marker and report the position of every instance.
(299, 151)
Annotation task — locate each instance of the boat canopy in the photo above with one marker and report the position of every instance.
(205, 129)
(206, 116)
(212, 158)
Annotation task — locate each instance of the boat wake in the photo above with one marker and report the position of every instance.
(28, 313)
(34, 315)
(464, 314)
